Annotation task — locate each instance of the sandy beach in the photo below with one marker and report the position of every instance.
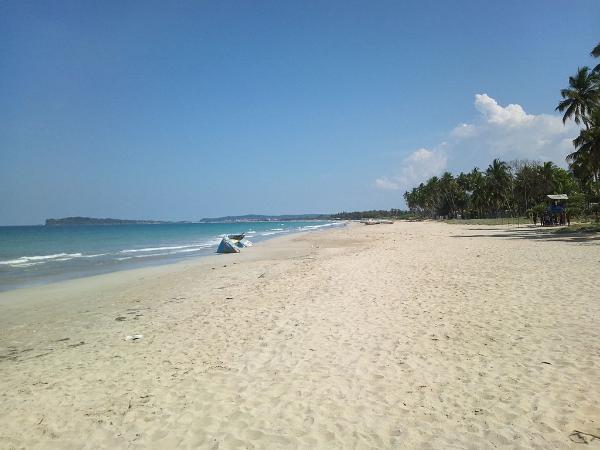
(411, 335)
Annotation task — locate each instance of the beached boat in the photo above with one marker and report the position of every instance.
(370, 222)
(243, 243)
(227, 246)
(237, 237)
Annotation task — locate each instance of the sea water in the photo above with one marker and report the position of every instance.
(31, 255)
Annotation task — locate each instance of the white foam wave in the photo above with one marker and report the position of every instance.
(149, 255)
(41, 258)
(94, 256)
(270, 233)
(189, 250)
(26, 264)
(323, 225)
(154, 249)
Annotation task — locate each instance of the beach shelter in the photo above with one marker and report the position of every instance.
(556, 212)
(558, 196)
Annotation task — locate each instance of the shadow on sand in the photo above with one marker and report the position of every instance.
(536, 233)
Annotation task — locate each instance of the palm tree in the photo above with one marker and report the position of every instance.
(499, 180)
(449, 190)
(547, 174)
(431, 191)
(526, 178)
(581, 97)
(586, 157)
(479, 193)
(596, 54)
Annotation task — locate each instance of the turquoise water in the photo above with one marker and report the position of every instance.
(37, 254)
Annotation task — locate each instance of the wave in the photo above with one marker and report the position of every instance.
(270, 233)
(41, 258)
(186, 249)
(160, 249)
(155, 249)
(324, 225)
(150, 255)
(26, 264)
(195, 249)
(94, 256)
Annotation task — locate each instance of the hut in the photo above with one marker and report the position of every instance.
(556, 212)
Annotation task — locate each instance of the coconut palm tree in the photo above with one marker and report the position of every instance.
(547, 174)
(526, 184)
(499, 181)
(581, 97)
(475, 191)
(586, 157)
(596, 54)
(450, 193)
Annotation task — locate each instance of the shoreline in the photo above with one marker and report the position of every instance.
(83, 273)
(408, 335)
(130, 274)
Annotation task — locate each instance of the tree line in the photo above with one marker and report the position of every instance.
(372, 214)
(520, 187)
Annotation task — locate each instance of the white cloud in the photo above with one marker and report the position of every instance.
(464, 130)
(508, 132)
(511, 115)
(386, 184)
(505, 132)
(418, 166)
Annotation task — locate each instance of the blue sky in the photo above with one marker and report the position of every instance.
(181, 110)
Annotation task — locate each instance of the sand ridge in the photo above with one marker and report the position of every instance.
(412, 335)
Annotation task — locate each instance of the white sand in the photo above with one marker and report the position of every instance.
(412, 335)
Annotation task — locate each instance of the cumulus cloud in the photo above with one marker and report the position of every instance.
(508, 132)
(511, 115)
(419, 165)
(464, 130)
(505, 132)
(387, 184)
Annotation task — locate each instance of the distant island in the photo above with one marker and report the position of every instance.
(265, 218)
(95, 221)
(355, 215)
(226, 219)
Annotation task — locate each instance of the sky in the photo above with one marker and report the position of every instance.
(183, 110)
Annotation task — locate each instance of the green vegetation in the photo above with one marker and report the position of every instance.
(265, 218)
(579, 228)
(373, 214)
(354, 215)
(495, 221)
(519, 188)
(95, 221)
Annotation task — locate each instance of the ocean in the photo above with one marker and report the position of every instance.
(33, 255)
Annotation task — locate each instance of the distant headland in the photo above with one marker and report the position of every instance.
(355, 215)
(266, 218)
(95, 221)
(225, 219)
